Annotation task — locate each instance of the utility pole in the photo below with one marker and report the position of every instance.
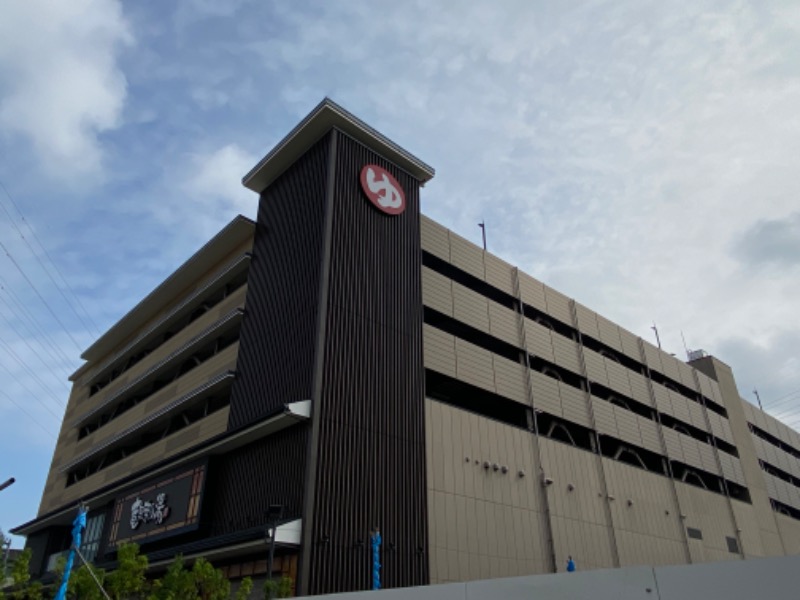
(274, 514)
(482, 225)
(658, 340)
(755, 391)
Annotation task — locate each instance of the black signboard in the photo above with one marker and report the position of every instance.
(166, 507)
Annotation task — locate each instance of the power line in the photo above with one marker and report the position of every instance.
(52, 262)
(30, 372)
(786, 397)
(27, 389)
(32, 349)
(55, 316)
(24, 311)
(55, 359)
(785, 404)
(32, 418)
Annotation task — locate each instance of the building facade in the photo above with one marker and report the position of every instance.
(344, 365)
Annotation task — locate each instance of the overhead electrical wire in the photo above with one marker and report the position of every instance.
(23, 310)
(32, 395)
(32, 418)
(30, 372)
(52, 262)
(37, 354)
(39, 295)
(791, 396)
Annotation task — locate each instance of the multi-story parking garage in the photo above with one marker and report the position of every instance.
(359, 366)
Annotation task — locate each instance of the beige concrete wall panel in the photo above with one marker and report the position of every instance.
(761, 448)
(435, 238)
(437, 291)
(749, 533)
(672, 439)
(496, 533)
(574, 405)
(716, 393)
(224, 361)
(546, 395)
(725, 429)
(662, 398)
(499, 273)
(439, 350)
(670, 365)
(630, 344)
(474, 365)
(604, 417)
(697, 416)
(648, 430)
(710, 513)
(164, 350)
(466, 256)
(618, 377)
(627, 426)
(640, 549)
(705, 384)
(738, 471)
(686, 375)
(691, 451)
(503, 324)
(609, 333)
(558, 305)
(715, 421)
(510, 379)
(789, 529)
(587, 321)
(457, 434)
(134, 461)
(565, 352)
(639, 388)
(680, 408)
(708, 460)
(566, 465)
(539, 340)
(589, 544)
(470, 307)
(595, 367)
(532, 291)
(652, 356)
(651, 510)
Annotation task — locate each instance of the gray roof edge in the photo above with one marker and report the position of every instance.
(324, 117)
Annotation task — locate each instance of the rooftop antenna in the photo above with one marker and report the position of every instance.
(685, 347)
(755, 391)
(658, 340)
(482, 225)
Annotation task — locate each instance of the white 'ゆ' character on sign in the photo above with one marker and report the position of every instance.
(391, 196)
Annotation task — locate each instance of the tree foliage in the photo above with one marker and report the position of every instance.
(22, 588)
(278, 589)
(127, 581)
(245, 587)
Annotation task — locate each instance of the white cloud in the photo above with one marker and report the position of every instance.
(615, 151)
(60, 86)
(206, 191)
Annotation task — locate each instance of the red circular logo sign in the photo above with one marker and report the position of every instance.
(382, 189)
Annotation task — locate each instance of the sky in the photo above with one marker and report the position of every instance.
(639, 156)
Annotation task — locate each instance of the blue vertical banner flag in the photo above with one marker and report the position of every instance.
(376, 560)
(78, 525)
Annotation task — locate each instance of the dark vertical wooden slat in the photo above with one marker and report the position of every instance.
(243, 483)
(371, 463)
(279, 332)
